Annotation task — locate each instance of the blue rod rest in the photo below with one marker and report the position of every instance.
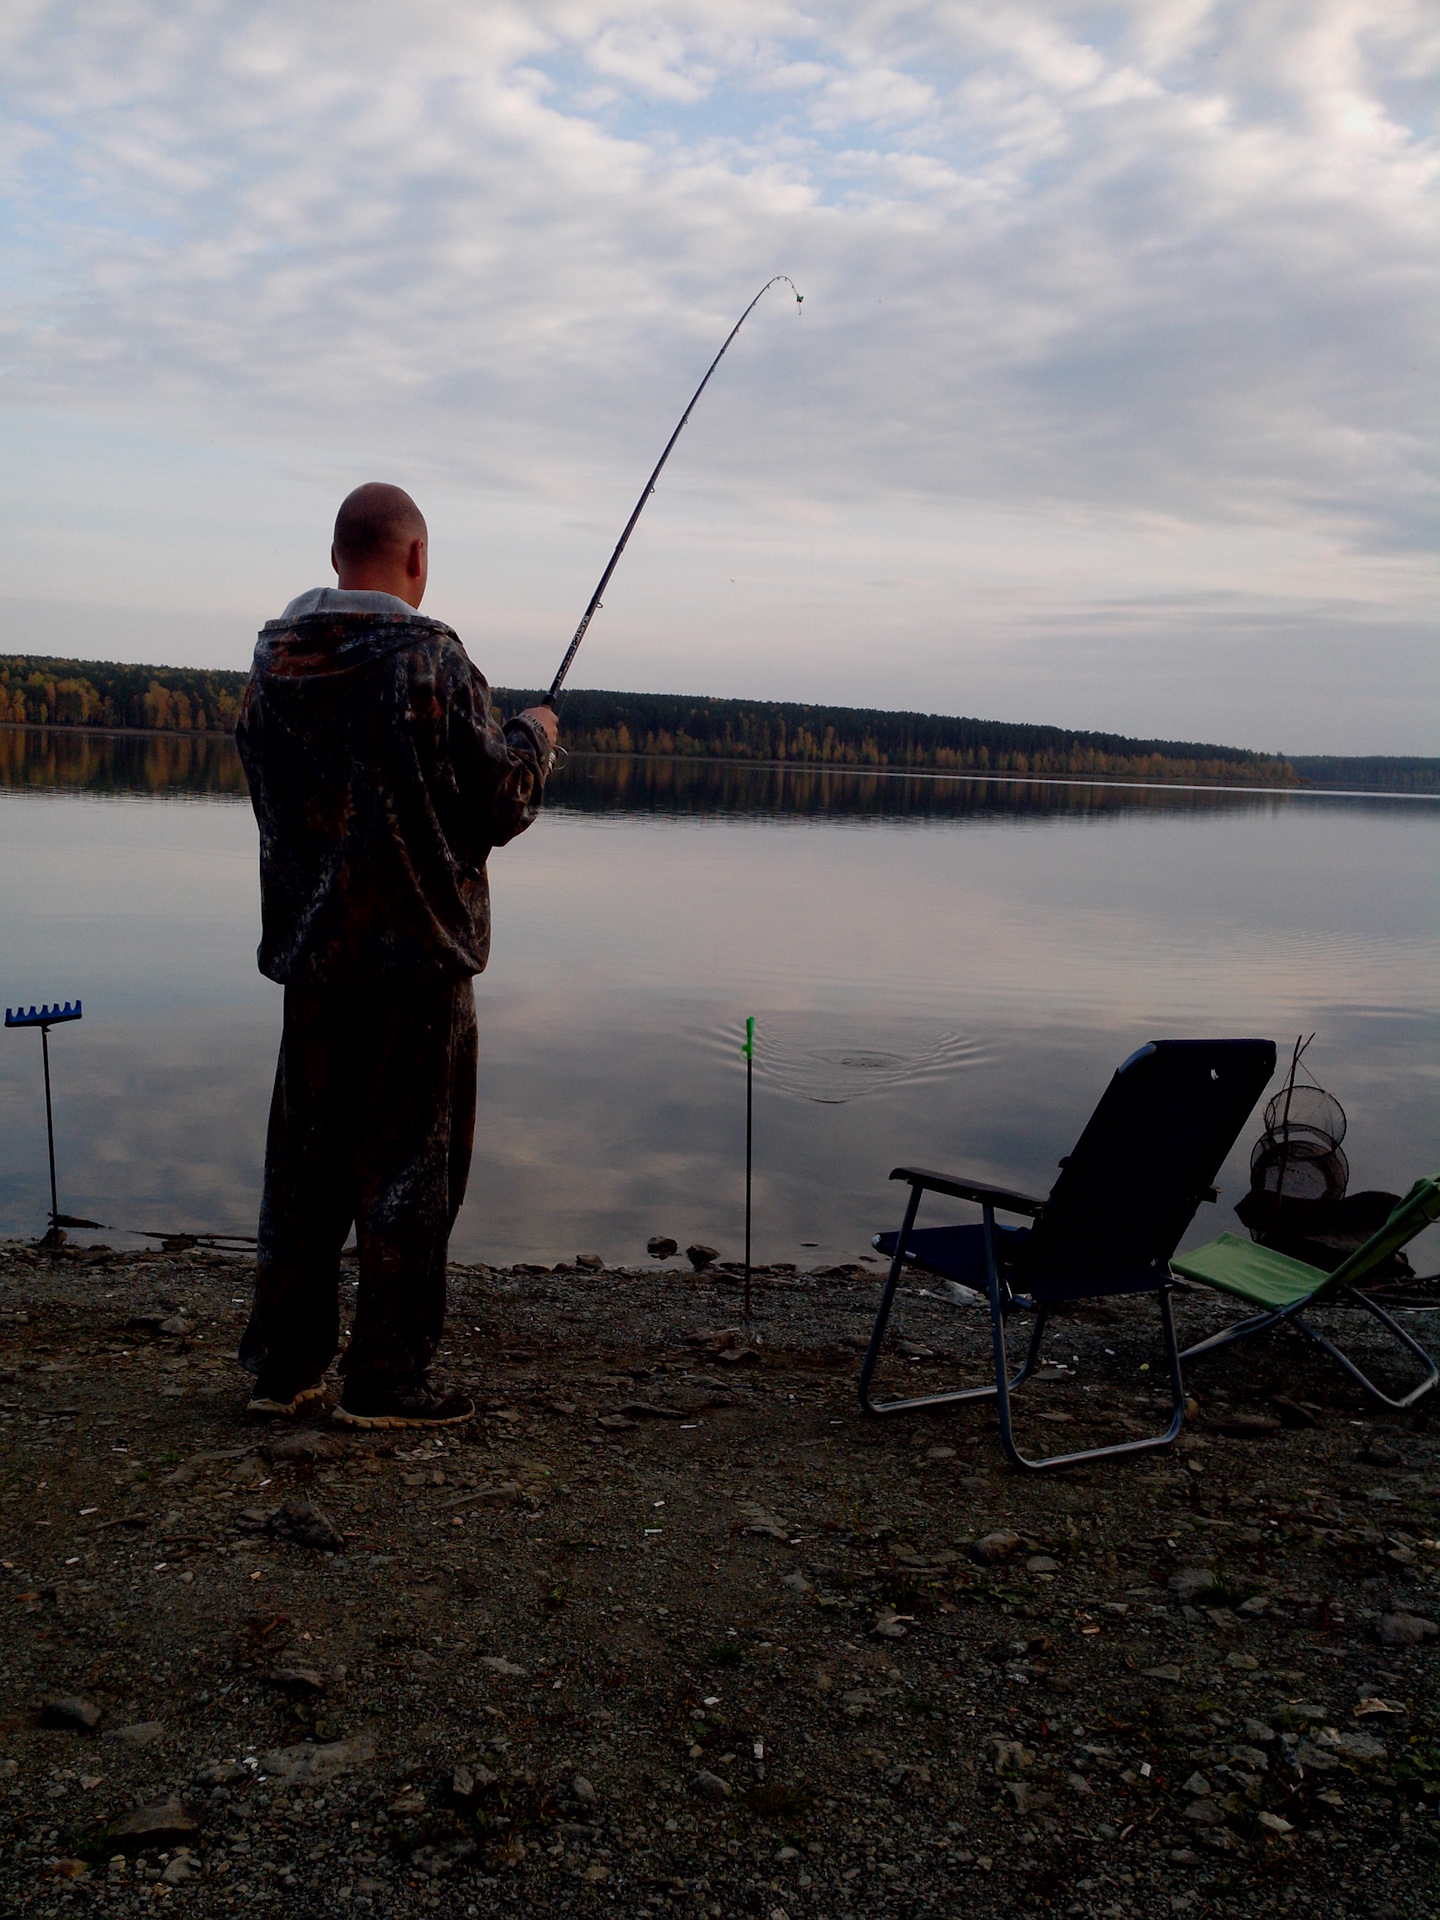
(46, 1017)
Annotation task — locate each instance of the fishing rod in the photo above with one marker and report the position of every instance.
(555, 685)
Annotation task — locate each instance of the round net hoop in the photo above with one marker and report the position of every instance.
(1306, 1167)
(1312, 1113)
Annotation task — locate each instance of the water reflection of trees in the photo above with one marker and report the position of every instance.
(603, 783)
(70, 759)
(208, 766)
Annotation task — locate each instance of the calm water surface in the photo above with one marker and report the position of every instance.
(943, 971)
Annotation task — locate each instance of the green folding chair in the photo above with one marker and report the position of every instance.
(1286, 1288)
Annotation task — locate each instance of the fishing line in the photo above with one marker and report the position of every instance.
(553, 695)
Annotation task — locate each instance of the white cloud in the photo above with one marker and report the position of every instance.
(1167, 268)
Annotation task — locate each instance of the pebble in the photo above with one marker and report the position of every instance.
(156, 1825)
(308, 1765)
(507, 1668)
(143, 1734)
(303, 1525)
(992, 1548)
(1405, 1630)
(710, 1786)
(583, 1791)
(1041, 1563)
(660, 1246)
(70, 1712)
(701, 1256)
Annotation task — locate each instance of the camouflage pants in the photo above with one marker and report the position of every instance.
(371, 1123)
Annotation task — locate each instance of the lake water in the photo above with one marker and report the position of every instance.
(941, 971)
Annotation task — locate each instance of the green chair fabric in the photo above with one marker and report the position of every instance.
(1270, 1279)
(1283, 1287)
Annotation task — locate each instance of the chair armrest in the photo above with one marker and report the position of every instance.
(975, 1190)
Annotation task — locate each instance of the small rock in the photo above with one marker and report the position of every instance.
(1273, 1822)
(992, 1548)
(583, 1791)
(1244, 1662)
(1245, 1426)
(615, 1423)
(159, 1824)
(892, 1626)
(143, 1734)
(1354, 1746)
(506, 1668)
(302, 1448)
(797, 1583)
(758, 1520)
(710, 1786)
(178, 1871)
(300, 1683)
(1191, 1582)
(1041, 1563)
(1293, 1413)
(220, 1773)
(410, 1800)
(590, 1262)
(1405, 1630)
(1163, 1673)
(700, 1257)
(1262, 1735)
(597, 1873)
(1204, 1813)
(739, 1357)
(303, 1525)
(70, 1712)
(308, 1765)
(940, 1453)
(1028, 1799)
(436, 1861)
(1197, 1786)
(68, 1870)
(660, 1246)
(468, 1783)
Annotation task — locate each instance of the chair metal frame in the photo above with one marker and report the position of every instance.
(1003, 1301)
(1294, 1316)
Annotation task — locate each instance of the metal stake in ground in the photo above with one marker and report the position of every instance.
(749, 1052)
(46, 1018)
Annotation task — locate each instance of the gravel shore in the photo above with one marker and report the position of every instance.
(672, 1628)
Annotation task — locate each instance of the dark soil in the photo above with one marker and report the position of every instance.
(614, 1647)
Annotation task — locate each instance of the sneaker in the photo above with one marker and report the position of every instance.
(375, 1404)
(281, 1393)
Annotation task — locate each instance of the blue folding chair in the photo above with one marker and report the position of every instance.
(1126, 1193)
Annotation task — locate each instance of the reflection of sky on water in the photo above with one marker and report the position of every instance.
(953, 987)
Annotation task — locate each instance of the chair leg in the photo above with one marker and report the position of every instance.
(1241, 1331)
(877, 1336)
(1413, 1346)
(1294, 1316)
(1088, 1454)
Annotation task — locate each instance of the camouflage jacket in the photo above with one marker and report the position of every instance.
(380, 781)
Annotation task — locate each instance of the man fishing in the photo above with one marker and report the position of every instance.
(380, 781)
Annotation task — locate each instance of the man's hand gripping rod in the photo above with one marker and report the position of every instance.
(555, 685)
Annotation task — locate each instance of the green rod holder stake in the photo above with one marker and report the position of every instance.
(749, 1052)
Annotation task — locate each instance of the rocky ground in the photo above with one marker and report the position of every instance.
(672, 1628)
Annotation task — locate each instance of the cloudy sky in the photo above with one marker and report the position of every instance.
(1111, 402)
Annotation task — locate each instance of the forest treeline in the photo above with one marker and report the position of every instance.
(97, 694)
(862, 737)
(41, 692)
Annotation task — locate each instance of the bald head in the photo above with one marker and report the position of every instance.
(381, 542)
